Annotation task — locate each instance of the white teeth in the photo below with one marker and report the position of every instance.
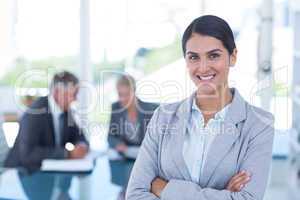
(206, 77)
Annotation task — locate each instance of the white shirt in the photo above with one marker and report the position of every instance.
(3, 144)
(199, 138)
(55, 111)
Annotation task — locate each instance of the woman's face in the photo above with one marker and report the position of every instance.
(208, 63)
(126, 95)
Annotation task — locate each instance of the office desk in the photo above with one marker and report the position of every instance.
(40, 185)
(294, 168)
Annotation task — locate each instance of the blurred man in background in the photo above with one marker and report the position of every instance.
(47, 126)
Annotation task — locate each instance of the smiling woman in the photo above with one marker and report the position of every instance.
(212, 145)
(209, 49)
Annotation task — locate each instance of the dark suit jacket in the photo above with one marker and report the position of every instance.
(36, 137)
(117, 123)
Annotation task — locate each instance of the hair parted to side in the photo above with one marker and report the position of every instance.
(127, 80)
(64, 78)
(210, 25)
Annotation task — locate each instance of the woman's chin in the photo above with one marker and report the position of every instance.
(206, 89)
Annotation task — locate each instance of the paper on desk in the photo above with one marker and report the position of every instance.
(132, 152)
(113, 155)
(69, 165)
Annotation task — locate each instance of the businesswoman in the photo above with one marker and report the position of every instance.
(127, 128)
(213, 145)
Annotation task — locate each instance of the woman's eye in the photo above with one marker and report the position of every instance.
(214, 56)
(193, 57)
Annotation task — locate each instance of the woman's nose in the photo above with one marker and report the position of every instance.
(203, 66)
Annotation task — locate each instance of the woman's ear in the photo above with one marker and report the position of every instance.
(233, 58)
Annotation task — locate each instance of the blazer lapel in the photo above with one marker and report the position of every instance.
(141, 123)
(226, 138)
(50, 128)
(181, 122)
(121, 121)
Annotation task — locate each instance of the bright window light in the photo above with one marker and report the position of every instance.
(10, 132)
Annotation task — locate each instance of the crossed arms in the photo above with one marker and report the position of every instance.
(144, 183)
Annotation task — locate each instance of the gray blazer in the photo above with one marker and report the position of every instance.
(245, 143)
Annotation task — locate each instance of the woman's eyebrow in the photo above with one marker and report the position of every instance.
(193, 53)
(214, 51)
(209, 52)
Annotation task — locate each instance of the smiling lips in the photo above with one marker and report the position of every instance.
(206, 77)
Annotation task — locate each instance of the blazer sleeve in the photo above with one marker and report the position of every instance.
(30, 151)
(80, 137)
(257, 161)
(146, 165)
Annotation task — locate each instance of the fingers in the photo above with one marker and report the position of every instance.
(157, 185)
(238, 181)
(230, 184)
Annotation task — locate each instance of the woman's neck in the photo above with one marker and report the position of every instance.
(213, 103)
(132, 112)
(132, 106)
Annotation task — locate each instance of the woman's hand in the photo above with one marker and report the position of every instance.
(121, 148)
(238, 181)
(157, 186)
